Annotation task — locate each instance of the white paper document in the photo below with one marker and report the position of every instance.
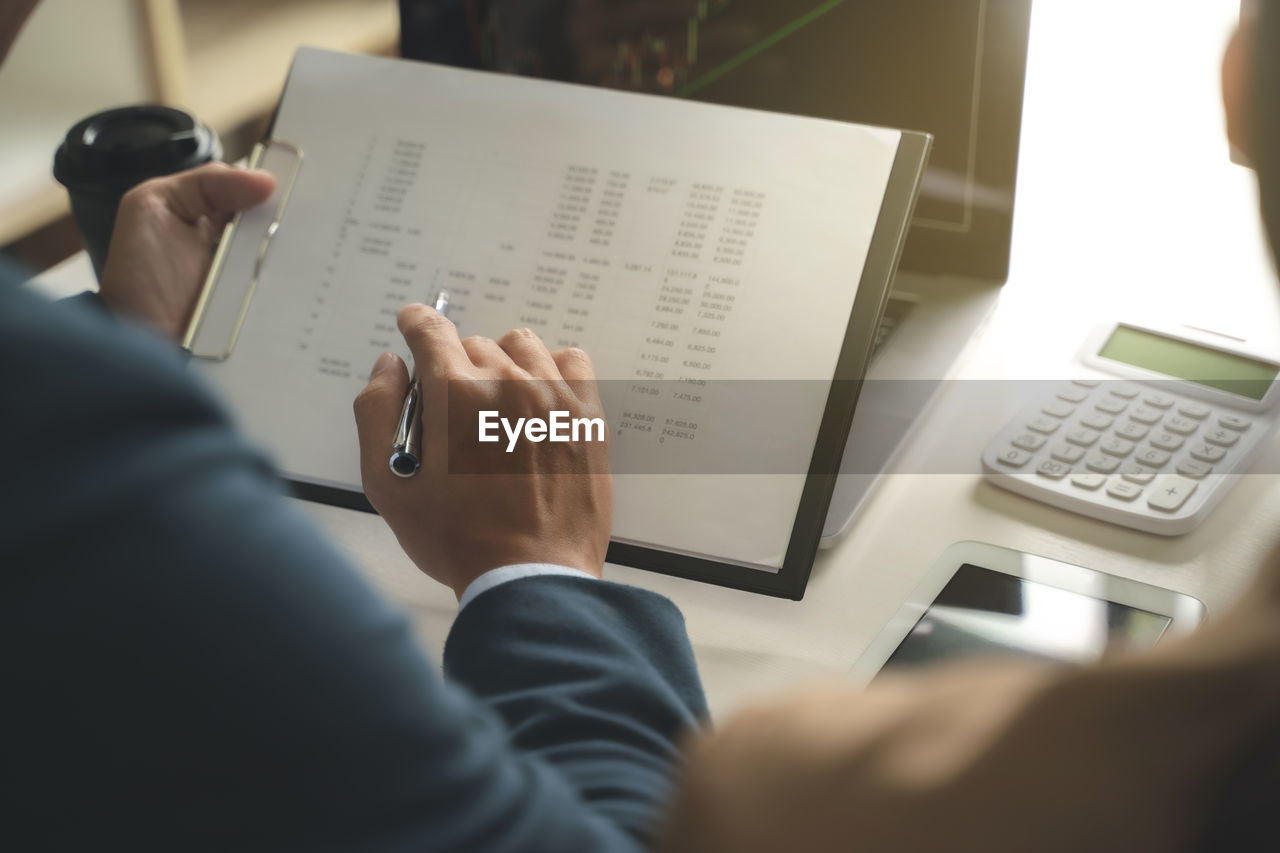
(680, 244)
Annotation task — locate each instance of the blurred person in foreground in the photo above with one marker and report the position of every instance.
(188, 664)
(1174, 749)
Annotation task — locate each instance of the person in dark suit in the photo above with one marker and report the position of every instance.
(188, 664)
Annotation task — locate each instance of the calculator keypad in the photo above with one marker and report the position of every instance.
(1088, 482)
(1171, 492)
(1058, 409)
(1138, 474)
(1083, 436)
(1132, 431)
(1044, 424)
(1134, 448)
(1073, 393)
(1116, 447)
(1097, 421)
(1193, 469)
(1068, 453)
(1222, 437)
(1123, 489)
(1154, 457)
(1146, 415)
(1208, 453)
(1102, 464)
(1053, 469)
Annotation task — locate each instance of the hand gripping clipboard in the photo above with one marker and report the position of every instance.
(227, 293)
(254, 252)
(240, 264)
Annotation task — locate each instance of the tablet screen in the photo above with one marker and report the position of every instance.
(984, 612)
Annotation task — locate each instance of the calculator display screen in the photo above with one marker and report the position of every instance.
(983, 612)
(1235, 374)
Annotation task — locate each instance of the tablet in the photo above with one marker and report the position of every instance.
(983, 600)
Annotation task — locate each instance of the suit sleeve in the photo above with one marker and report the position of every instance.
(595, 678)
(188, 664)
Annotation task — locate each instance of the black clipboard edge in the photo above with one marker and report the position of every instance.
(878, 275)
(790, 581)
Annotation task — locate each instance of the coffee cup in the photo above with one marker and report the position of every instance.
(109, 153)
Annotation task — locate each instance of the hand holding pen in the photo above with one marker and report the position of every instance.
(472, 506)
(406, 445)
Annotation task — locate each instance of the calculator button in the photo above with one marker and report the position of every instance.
(1221, 437)
(1181, 425)
(1098, 421)
(1195, 411)
(1132, 431)
(1111, 405)
(1170, 492)
(1085, 383)
(1044, 424)
(1116, 447)
(1194, 469)
(1072, 394)
(1088, 481)
(1167, 441)
(1146, 415)
(1158, 400)
(1058, 409)
(1083, 437)
(1014, 458)
(1122, 490)
(1235, 422)
(1102, 464)
(1124, 390)
(1139, 474)
(1208, 453)
(1029, 441)
(1067, 453)
(1153, 458)
(1053, 470)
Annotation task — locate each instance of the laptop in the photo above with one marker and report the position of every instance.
(953, 68)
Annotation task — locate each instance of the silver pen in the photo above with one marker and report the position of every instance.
(406, 447)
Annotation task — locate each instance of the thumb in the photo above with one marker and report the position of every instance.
(214, 190)
(377, 409)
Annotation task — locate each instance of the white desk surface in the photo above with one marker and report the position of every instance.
(1127, 208)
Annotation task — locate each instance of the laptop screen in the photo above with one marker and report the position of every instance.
(954, 68)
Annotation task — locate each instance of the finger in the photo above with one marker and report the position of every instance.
(485, 352)
(215, 190)
(529, 352)
(377, 409)
(433, 340)
(574, 363)
(576, 367)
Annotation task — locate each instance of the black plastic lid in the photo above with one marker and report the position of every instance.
(119, 148)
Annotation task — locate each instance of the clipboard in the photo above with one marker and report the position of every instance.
(887, 244)
(241, 264)
(221, 308)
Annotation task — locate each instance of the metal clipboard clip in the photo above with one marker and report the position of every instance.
(224, 299)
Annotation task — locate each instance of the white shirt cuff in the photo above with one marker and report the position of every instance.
(499, 576)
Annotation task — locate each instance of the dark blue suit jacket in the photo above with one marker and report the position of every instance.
(187, 663)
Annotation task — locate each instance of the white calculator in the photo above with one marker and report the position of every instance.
(1150, 436)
